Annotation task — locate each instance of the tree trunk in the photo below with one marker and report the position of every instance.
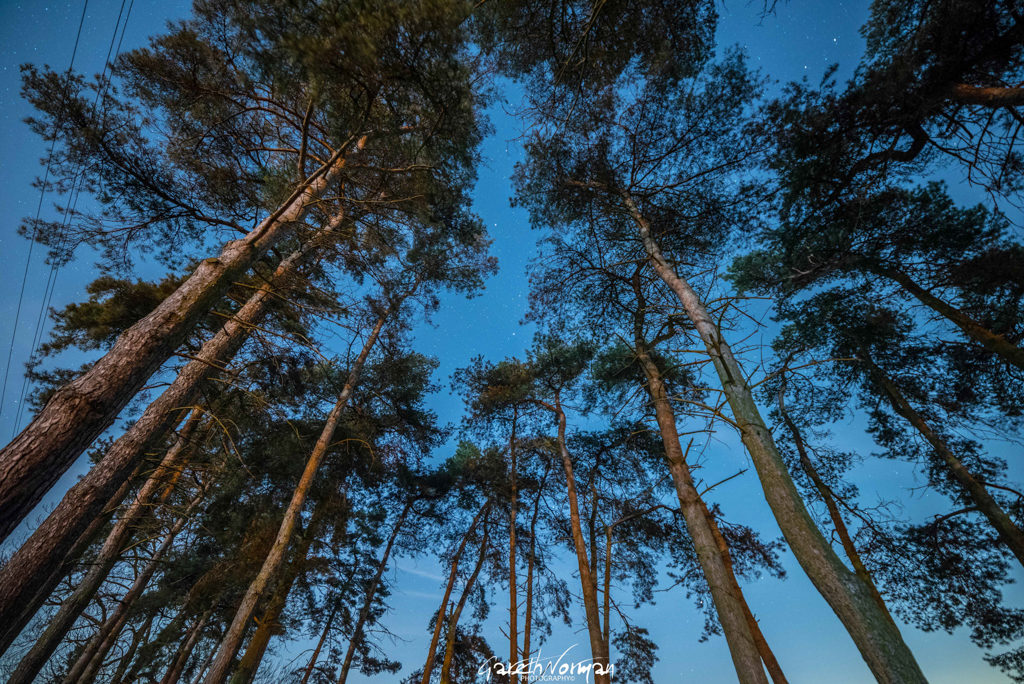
(729, 604)
(25, 577)
(203, 667)
(825, 492)
(371, 592)
(530, 563)
(140, 636)
(57, 627)
(986, 96)
(91, 659)
(233, 637)
(513, 588)
(767, 655)
(876, 637)
(428, 667)
(81, 410)
(173, 673)
(266, 625)
(1011, 535)
(598, 646)
(453, 620)
(51, 575)
(319, 645)
(995, 343)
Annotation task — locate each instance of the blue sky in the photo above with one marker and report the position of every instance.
(800, 39)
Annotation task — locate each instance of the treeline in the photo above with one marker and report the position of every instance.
(305, 171)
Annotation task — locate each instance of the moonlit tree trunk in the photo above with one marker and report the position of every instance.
(266, 625)
(728, 604)
(371, 592)
(233, 637)
(994, 342)
(1008, 531)
(173, 673)
(879, 641)
(531, 562)
(825, 492)
(24, 584)
(598, 646)
(57, 626)
(453, 619)
(513, 588)
(319, 646)
(81, 410)
(453, 574)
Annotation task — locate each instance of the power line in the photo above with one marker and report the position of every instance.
(35, 224)
(73, 197)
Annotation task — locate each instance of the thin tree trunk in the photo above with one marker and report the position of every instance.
(530, 563)
(371, 592)
(319, 645)
(598, 646)
(233, 637)
(140, 636)
(825, 492)
(513, 588)
(435, 638)
(25, 578)
(995, 343)
(767, 655)
(1011, 535)
(81, 410)
(173, 673)
(57, 627)
(729, 605)
(203, 667)
(257, 646)
(91, 660)
(453, 620)
(877, 638)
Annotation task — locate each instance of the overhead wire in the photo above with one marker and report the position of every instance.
(77, 182)
(35, 225)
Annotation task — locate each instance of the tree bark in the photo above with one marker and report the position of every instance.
(25, 577)
(825, 492)
(81, 410)
(513, 588)
(233, 637)
(51, 575)
(995, 343)
(876, 637)
(319, 646)
(109, 553)
(986, 96)
(1011, 535)
(428, 667)
(767, 655)
(453, 620)
(371, 592)
(598, 646)
(729, 604)
(530, 563)
(173, 673)
(266, 625)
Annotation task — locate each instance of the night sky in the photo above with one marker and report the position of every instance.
(799, 40)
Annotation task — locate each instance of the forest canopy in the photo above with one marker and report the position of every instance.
(757, 415)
